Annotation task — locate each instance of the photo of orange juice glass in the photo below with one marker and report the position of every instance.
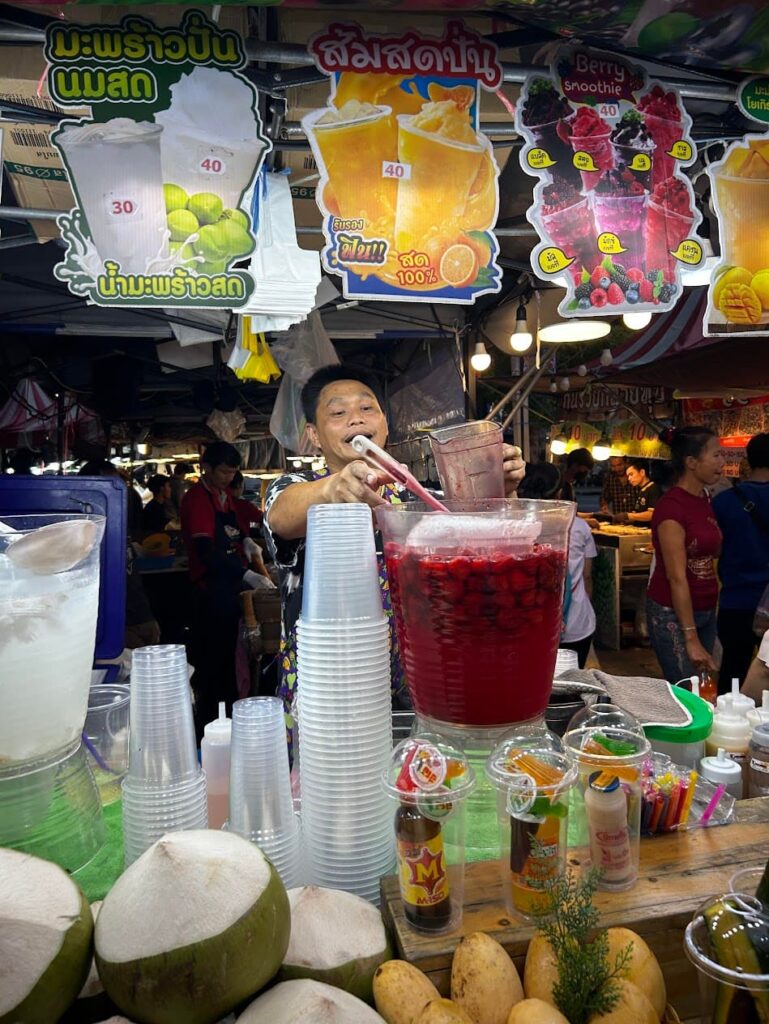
(442, 171)
(742, 188)
(352, 144)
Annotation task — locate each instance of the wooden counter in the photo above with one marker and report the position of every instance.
(678, 872)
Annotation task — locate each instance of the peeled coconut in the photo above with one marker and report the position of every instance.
(337, 938)
(643, 968)
(306, 1001)
(196, 925)
(535, 1011)
(45, 939)
(633, 1006)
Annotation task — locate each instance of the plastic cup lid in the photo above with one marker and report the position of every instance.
(604, 733)
(427, 770)
(724, 921)
(529, 764)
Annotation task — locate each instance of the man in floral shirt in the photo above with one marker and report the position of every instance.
(339, 402)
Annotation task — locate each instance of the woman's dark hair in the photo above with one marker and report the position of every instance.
(220, 453)
(237, 480)
(329, 375)
(542, 480)
(757, 451)
(157, 482)
(687, 443)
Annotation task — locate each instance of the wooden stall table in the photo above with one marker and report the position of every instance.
(678, 872)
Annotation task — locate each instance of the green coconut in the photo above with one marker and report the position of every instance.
(310, 1001)
(198, 924)
(336, 938)
(45, 939)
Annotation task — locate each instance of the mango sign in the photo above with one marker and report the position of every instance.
(612, 205)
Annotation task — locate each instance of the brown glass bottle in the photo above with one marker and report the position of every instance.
(422, 873)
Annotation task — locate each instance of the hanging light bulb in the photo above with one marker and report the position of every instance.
(636, 321)
(480, 360)
(521, 338)
(602, 448)
(565, 384)
(553, 384)
(559, 443)
(582, 370)
(606, 358)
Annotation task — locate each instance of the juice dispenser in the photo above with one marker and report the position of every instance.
(477, 600)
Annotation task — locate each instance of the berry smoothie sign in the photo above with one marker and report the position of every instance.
(613, 208)
(160, 172)
(408, 187)
(738, 297)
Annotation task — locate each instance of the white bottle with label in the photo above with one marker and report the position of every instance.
(723, 769)
(215, 758)
(731, 731)
(610, 840)
(758, 761)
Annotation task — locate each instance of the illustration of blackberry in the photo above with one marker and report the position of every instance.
(619, 277)
(667, 291)
(582, 291)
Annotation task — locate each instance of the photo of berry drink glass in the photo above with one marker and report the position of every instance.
(540, 113)
(478, 623)
(631, 139)
(665, 125)
(587, 132)
(669, 220)
(568, 220)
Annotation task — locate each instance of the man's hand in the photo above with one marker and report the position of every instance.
(513, 466)
(357, 482)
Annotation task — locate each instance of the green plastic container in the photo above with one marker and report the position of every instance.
(685, 744)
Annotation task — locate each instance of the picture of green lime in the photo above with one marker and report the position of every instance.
(182, 224)
(237, 240)
(237, 217)
(206, 206)
(212, 243)
(175, 198)
(186, 251)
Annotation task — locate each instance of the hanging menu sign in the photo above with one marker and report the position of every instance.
(738, 296)
(161, 170)
(408, 184)
(614, 211)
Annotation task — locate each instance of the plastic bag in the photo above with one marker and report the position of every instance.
(299, 352)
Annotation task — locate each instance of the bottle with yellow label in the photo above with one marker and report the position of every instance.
(424, 882)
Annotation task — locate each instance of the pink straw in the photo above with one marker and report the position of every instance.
(708, 812)
(381, 460)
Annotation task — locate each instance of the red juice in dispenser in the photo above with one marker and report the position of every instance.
(478, 625)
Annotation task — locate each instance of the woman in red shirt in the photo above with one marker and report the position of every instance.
(683, 590)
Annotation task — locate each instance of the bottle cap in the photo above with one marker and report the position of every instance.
(220, 730)
(759, 715)
(608, 785)
(695, 681)
(738, 703)
(720, 768)
(761, 735)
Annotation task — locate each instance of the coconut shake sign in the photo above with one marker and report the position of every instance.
(408, 185)
(160, 172)
(614, 211)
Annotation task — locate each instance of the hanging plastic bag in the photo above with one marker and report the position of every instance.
(259, 363)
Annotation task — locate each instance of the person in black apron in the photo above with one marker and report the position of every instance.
(218, 571)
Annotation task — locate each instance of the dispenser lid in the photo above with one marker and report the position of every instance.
(761, 734)
(428, 771)
(220, 729)
(697, 730)
(734, 701)
(720, 768)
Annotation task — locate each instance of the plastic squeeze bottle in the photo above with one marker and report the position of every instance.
(708, 687)
(731, 731)
(759, 715)
(758, 761)
(741, 704)
(724, 769)
(215, 758)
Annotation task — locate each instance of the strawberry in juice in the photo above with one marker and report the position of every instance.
(478, 633)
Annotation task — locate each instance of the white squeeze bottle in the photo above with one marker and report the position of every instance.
(215, 758)
(740, 704)
(722, 768)
(731, 731)
(760, 715)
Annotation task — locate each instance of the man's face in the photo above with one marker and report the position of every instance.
(636, 477)
(617, 466)
(165, 492)
(219, 476)
(581, 474)
(346, 408)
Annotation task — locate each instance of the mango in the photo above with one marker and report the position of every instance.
(535, 1011)
(484, 980)
(643, 969)
(401, 991)
(442, 1011)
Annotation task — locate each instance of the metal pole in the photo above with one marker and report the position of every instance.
(529, 387)
(520, 383)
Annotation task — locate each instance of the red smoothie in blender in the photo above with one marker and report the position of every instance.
(478, 631)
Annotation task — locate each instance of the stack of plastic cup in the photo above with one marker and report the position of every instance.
(343, 704)
(261, 804)
(165, 788)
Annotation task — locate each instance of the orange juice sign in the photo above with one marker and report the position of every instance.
(614, 211)
(408, 184)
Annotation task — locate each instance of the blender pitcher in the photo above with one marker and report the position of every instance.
(477, 599)
(468, 458)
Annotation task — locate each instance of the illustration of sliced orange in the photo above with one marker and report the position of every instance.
(459, 265)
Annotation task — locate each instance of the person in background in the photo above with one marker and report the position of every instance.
(757, 678)
(179, 485)
(218, 572)
(338, 402)
(541, 482)
(249, 516)
(157, 513)
(742, 512)
(578, 467)
(617, 493)
(646, 494)
(683, 590)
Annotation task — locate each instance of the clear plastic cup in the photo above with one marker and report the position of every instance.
(162, 746)
(51, 808)
(144, 822)
(343, 632)
(468, 458)
(747, 879)
(429, 780)
(720, 941)
(532, 777)
(260, 784)
(341, 576)
(608, 747)
(105, 737)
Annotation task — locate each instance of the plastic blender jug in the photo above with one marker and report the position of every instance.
(477, 600)
(468, 458)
